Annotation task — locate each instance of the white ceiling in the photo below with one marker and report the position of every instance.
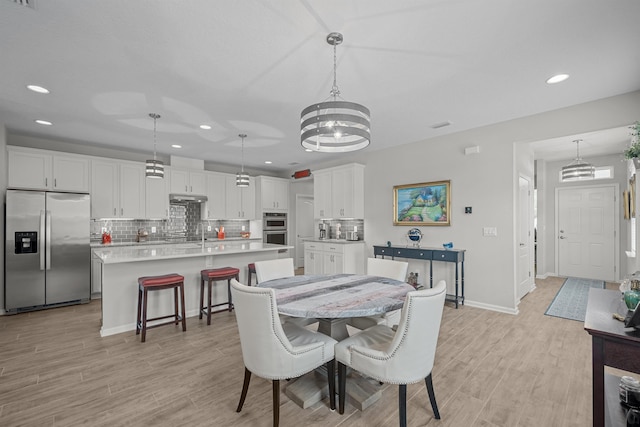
(251, 66)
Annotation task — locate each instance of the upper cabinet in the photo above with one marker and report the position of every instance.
(339, 192)
(157, 196)
(117, 189)
(215, 208)
(45, 170)
(240, 201)
(184, 181)
(272, 194)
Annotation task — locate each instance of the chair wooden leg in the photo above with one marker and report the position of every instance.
(144, 315)
(331, 379)
(342, 379)
(209, 291)
(402, 404)
(201, 298)
(276, 403)
(176, 316)
(184, 310)
(139, 318)
(432, 396)
(245, 387)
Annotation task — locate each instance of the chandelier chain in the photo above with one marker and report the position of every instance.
(335, 92)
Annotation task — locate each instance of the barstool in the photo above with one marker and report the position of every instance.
(156, 283)
(252, 270)
(212, 275)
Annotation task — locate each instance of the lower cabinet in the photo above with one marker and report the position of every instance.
(333, 257)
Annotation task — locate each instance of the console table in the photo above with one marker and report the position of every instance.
(612, 345)
(430, 254)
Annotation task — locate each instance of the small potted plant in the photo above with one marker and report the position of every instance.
(633, 152)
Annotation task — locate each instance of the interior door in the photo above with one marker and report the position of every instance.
(525, 224)
(304, 225)
(585, 231)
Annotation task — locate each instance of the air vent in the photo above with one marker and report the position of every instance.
(26, 3)
(440, 125)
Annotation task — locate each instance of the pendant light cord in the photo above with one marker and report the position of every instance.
(335, 92)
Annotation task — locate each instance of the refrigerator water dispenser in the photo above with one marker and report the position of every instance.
(26, 242)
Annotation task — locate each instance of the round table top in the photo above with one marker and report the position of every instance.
(337, 296)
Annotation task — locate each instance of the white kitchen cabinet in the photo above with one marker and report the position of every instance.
(117, 189)
(157, 196)
(347, 184)
(45, 170)
(240, 201)
(184, 181)
(313, 257)
(322, 194)
(272, 194)
(339, 192)
(333, 257)
(215, 208)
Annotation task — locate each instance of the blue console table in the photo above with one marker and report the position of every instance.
(430, 254)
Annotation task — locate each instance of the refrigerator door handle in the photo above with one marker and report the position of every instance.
(41, 241)
(48, 239)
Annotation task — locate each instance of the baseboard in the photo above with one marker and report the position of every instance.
(545, 275)
(491, 307)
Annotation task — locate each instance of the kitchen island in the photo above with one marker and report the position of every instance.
(121, 267)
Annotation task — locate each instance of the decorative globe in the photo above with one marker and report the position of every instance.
(415, 235)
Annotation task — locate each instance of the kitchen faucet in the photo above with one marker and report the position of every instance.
(201, 226)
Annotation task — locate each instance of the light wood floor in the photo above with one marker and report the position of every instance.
(491, 369)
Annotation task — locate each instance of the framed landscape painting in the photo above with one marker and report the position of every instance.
(422, 204)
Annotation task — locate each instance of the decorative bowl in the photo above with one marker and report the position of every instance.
(245, 234)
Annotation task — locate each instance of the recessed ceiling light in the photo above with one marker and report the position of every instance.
(205, 127)
(267, 162)
(38, 89)
(557, 78)
(176, 146)
(44, 122)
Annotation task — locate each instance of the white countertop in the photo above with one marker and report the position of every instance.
(334, 241)
(171, 242)
(121, 254)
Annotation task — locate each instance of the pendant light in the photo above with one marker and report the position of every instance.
(154, 168)
(242, 178)
(578, 169)
(335, 125)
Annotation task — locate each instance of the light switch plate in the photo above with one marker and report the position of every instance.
(490, 231)
(208, 228)
(153, 229)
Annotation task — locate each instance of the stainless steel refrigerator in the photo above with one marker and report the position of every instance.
(47, 252)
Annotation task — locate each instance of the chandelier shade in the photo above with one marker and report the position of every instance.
(242, 178)
(154, 168)
(578, 169)
(334, 125)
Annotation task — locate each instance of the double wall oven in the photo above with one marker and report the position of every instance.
(274, 228)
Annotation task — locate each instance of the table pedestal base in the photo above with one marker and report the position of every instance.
(335, 328)
(311, 388)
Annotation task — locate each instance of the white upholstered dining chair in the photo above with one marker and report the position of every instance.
(401, 357)
(278, 269)
(274, 269)
(276, 351)
(392, 269)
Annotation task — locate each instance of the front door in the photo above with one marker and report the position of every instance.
(585, 232)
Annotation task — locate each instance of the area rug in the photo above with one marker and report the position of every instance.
(571, 300)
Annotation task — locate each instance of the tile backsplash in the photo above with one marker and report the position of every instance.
(182, 225)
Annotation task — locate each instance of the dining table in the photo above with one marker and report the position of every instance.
(333, 300)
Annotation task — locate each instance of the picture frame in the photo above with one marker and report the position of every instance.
(426, 203)
(625, 204)
(632, 196)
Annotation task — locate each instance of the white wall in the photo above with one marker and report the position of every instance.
(3, 192)
(486, 181)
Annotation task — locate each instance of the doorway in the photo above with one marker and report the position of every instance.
(586, 232)
(524, 235)
(304, 225)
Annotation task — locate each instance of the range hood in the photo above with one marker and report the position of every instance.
(186, 198)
